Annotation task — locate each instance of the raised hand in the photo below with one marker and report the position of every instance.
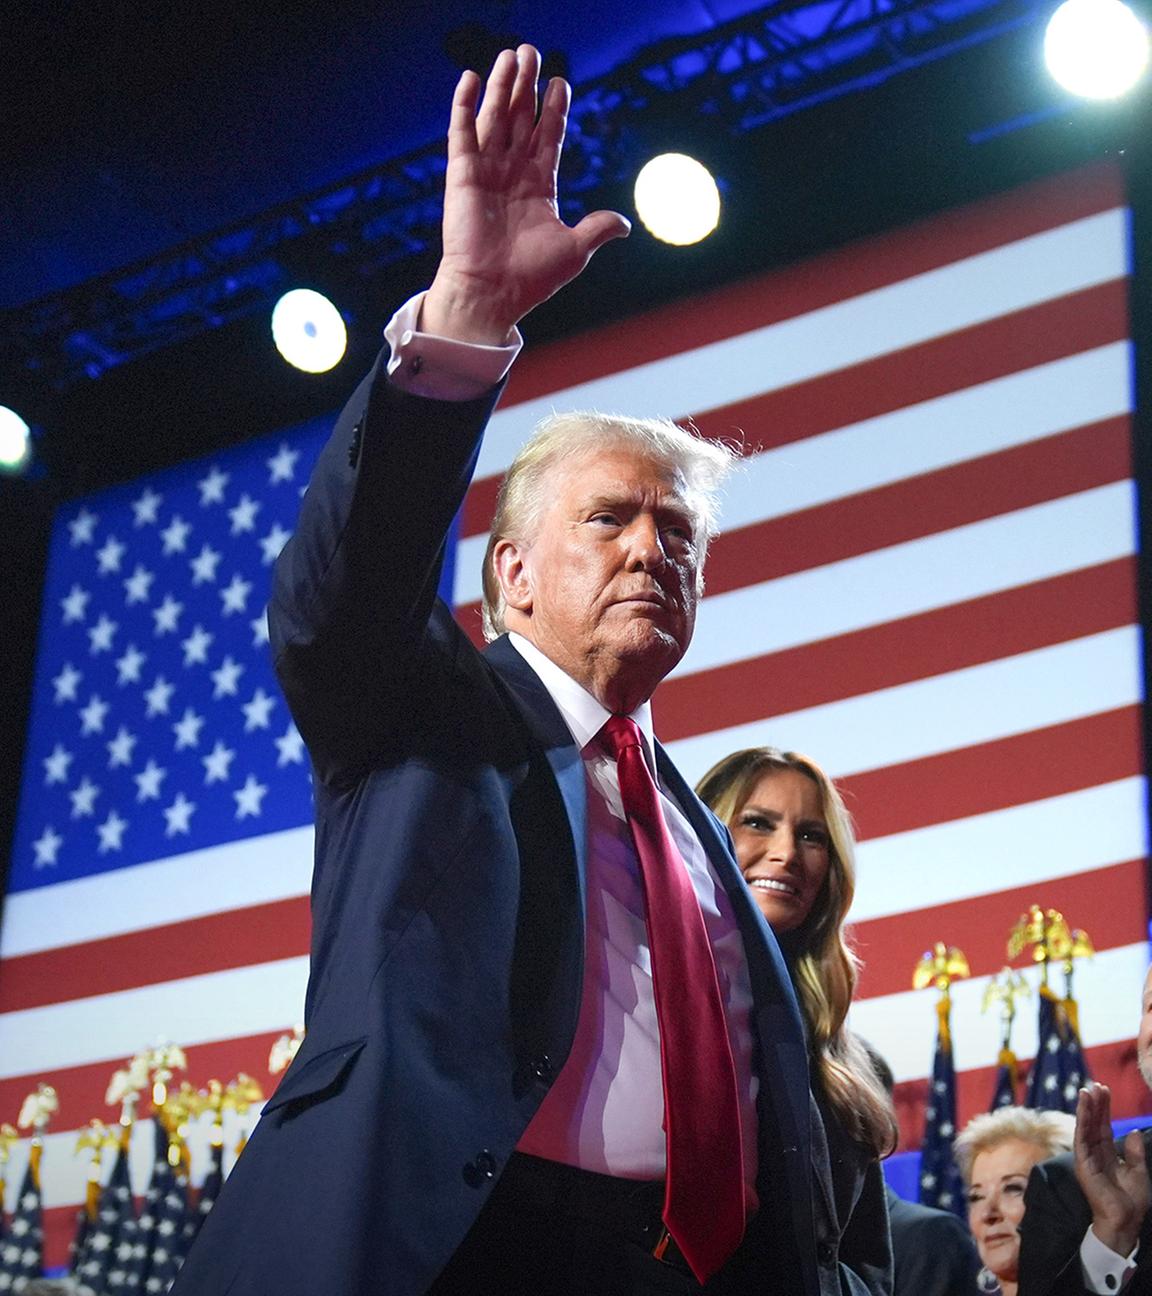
(506, 249)
(1115, 1187)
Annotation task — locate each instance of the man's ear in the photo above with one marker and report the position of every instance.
(508, 562)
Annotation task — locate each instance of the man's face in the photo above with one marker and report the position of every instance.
(607, 586)
(1144, 1034)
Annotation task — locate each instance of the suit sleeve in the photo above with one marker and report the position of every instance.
(935, 1256)
(866, 1243)
(355, 626)
(1056, 1217)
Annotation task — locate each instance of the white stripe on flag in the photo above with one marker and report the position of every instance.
(957, 709)
(255, 870)
(967, 562)
(1003, 849)
(194, 1010)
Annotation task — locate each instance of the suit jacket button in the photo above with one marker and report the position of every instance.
(478, 1171)
(826, 1254)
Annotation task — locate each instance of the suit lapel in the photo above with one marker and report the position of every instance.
(547, 726)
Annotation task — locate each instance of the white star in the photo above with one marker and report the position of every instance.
(65, 684)
(234, 597)
(167, 614)
(92, 716)
(290, 747)
(175, 535)
(111, 832)
(137, 585)
(128, 666)
(212, 487)
(243, 515)
(56, 765)
(75, 604)
(204, 565)
(145, 507)
(148, 782)
(216, 764)
(158, 696)
(226, 677)
(178, 814)
(100, 635)
(108, 556)
(47, 846)
(273, 542)
(82, 526)
(248, 798)
(120, 748)
(196, 646)
(187, 729)
(84, 798)
(282, 465)
(1050, 1083)
(259, 629)
(256, 712)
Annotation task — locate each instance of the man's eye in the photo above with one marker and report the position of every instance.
(605, 519)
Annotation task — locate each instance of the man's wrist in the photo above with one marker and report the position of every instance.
(465, 311)
(1118, 1237)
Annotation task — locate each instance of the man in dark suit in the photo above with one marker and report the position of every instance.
(933, 1251)
(1087, 1226)
(502, 1032)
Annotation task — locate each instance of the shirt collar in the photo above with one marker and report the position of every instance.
(582, 713)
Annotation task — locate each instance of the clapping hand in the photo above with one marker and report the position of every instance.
(1115, 1186)
(506, 249)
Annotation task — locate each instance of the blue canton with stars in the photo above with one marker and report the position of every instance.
(157, 723)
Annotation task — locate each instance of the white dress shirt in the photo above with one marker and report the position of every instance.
(1104, 1270)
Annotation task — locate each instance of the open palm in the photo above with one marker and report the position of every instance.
(506, 249)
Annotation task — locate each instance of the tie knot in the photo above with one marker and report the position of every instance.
(620, 732)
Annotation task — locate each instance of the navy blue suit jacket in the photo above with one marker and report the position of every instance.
(447, 902)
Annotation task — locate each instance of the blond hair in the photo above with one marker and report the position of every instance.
(1052, 1131)
(825, 966)
(523, 496)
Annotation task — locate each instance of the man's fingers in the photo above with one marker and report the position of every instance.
(492, 119)
(598, 228)
(462, 122)
(1134, 1153)
(548, 137)
(522, 104)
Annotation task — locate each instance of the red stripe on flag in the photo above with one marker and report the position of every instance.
(950, 638)
(809, 285)
(233, 938)
(1038, 335)
(81, 1089)
(1108, 903)
(1012, 771)
(963, 493)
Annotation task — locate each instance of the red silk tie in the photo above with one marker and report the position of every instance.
(704, 1183)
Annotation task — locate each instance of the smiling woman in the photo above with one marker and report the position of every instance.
(794, 844)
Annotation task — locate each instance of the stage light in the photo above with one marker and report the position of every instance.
(677, 199)
(15, 441)
(308, 330)
(1097, 49)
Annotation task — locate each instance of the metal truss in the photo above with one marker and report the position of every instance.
(776, 61)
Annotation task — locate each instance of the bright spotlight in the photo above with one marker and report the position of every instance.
(308, 330)
(15, 441)
(677, 199)
(1097, 49)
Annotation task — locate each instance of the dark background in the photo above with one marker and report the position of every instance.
(129, 129)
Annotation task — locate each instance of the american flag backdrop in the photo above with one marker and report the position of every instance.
(926, 580)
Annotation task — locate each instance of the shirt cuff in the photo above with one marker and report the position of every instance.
(439, 367)
(1104, 1270)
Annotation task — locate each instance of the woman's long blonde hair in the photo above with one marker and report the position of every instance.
(824, 965)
